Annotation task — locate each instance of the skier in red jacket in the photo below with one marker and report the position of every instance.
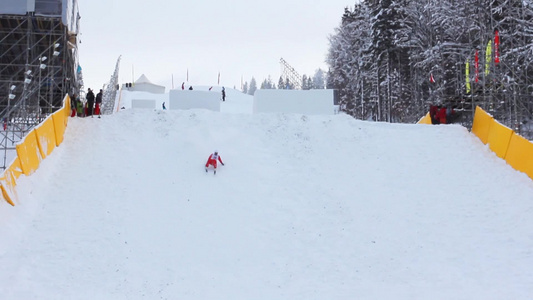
(212, 161)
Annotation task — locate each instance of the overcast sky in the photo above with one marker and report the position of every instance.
(239, 38)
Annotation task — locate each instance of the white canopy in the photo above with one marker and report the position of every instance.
(144, 85)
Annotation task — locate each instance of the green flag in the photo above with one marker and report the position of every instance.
(488, 57)
(467, 73)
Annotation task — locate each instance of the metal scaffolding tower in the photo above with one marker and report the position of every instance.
(38, 67)
(110, 91)
(290, 75)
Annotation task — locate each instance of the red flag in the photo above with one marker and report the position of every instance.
(476, 65)
(431, 79)
(496, 47)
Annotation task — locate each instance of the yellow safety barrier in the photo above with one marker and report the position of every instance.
(425, 120)
(67, 108)
(46, 137)
(8, 181)
(29, 154)
(482, 123)
(499, 138)
(35, 146)
(520, 155)
(516, 150)
(59, 125)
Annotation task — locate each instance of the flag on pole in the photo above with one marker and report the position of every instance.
(496, 47)
(488, 57)
(476, 66)
(467, 75)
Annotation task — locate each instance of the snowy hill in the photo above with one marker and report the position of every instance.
(306, 207)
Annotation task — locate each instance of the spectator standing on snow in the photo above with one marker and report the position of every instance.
(73, 105)
(212, 161)
(98, 103)
(433, 113)
(441, 115)
(90, 102)
(223, 94)
(450, 115)
(79, 107)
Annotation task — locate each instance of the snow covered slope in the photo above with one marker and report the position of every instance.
(307, 207)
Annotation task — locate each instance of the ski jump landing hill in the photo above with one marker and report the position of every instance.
(306, 207)
(39, 143)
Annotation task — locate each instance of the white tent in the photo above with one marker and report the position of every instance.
(144, 85)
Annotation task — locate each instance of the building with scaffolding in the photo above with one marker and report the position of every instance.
(38, 63)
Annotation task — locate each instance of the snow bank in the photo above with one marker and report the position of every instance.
(179, 99)
(309, 102)
(143, 103)
(236, 101)
(129, 99)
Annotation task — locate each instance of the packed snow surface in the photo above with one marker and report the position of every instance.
(306, 207)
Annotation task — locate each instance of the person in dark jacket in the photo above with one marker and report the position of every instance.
(73, 105)
(223, 94)
(98, 103)
(441, 115)
(450, 115)
(432, 114)
(90, 102)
